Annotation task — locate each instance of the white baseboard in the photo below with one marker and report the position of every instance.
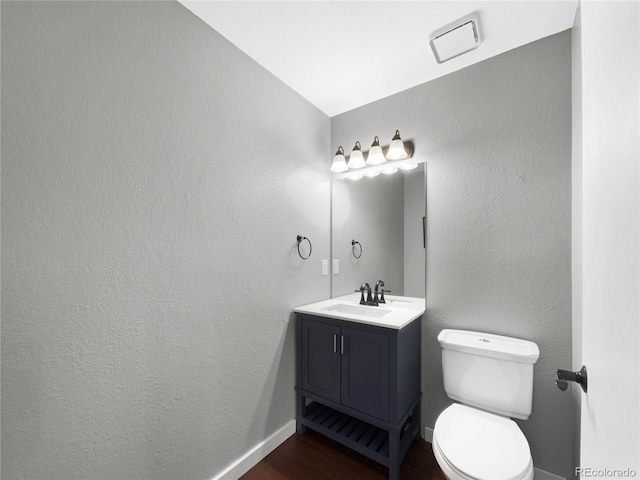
(537, 473)
(257, 453)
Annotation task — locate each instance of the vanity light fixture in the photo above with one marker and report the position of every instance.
(339, 162)
(356, 159)
(375, 157)
(396, 149)
(379, 159)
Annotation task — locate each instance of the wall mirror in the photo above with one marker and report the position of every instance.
(385, 215)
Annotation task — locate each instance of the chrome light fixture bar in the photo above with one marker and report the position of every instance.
(386, 160)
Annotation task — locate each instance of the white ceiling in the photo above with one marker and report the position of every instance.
(340, 55)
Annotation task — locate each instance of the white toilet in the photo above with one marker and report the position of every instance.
(492, 378)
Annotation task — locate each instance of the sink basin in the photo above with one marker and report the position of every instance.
(363, 310)
(396, 313)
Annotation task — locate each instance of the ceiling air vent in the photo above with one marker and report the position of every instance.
(455, 39)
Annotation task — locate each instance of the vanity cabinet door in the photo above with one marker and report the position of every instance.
(365, 371)
(321, 359)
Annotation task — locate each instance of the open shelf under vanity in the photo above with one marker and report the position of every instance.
(358, 435)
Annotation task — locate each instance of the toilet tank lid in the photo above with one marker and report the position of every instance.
(489, 345)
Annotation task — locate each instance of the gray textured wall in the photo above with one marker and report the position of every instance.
(497, 137)
(154, 179)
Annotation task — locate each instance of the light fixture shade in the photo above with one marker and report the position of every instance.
(356, 159)
(339, 163)
(396, 149)
(389, 170)
(375, 157)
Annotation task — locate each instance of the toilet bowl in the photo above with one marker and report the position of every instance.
(491, 376)
(470, 444)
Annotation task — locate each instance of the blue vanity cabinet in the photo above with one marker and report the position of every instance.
(364, 371)
(359, 384)
(320, 361)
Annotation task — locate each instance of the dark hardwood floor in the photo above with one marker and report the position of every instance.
(312, 456)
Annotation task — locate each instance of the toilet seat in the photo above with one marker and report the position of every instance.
(449, 470)
(477, 445)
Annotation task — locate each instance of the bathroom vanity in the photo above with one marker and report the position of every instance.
(358, 374)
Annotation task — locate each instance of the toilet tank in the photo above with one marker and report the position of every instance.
(490, 372)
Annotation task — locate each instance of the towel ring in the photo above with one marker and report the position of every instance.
(354, 248)
(300, 240)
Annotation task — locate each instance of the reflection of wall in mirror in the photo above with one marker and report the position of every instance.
(414, 246)
(368, 210)
(373, 211)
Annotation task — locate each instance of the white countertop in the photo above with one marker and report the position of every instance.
(396, 313)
